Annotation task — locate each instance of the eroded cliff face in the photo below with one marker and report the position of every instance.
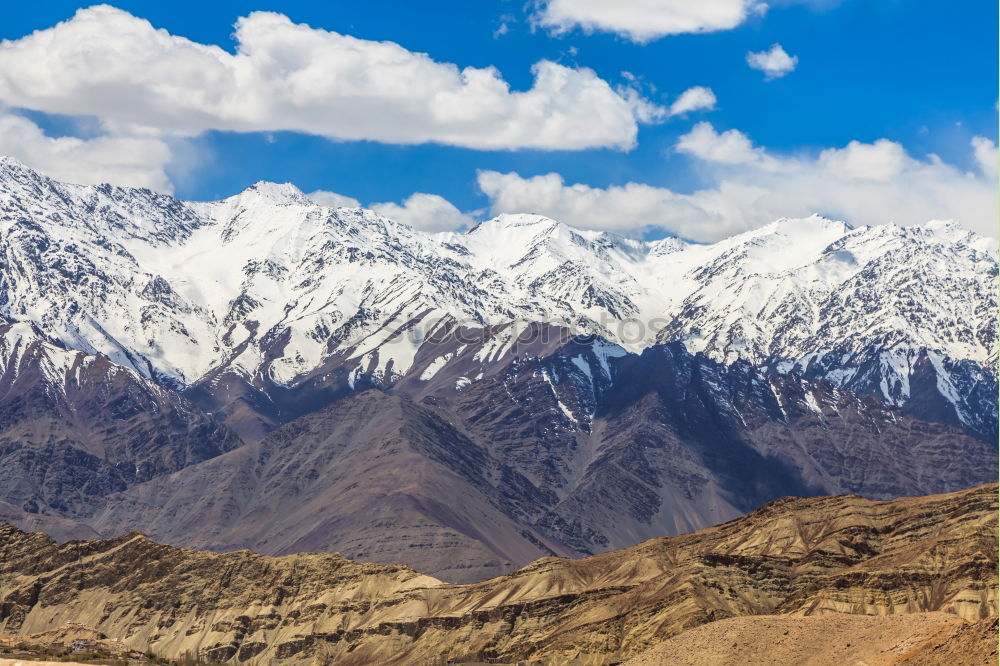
(795, 557)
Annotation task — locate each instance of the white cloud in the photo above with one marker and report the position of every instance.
(874, 183)
(985, 153)
(333, 200)
(627, 209)
(693, 99)
(644, 20)
(428, 212)
(122, 160)
(881, 161)
(729, 147)
(110, 64)
(504, 26)
(775, 63)
(642, 109)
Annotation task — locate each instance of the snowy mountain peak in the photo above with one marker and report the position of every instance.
(948, 235)
(13, 162)
(513, 221)
(802, 227)
(280, 193)
(951, 231)
(944, 225)
(666, 246)
(12, 169)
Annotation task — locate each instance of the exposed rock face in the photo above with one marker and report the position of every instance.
(559, 447)
(793, 557)
(61, 529)
(374, 476)
(75, 427)
(666, 442)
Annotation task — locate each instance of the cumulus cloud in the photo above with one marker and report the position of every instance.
(697, 98)
(774, 62)
(122, 160)
(429, 212)
(881, 161)
(862, 183)
(645, 20)
(729, 147)
(629, 208)
(110, 64)
(333, 200)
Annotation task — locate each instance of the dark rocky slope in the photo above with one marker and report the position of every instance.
(75, 427)
(539, 457)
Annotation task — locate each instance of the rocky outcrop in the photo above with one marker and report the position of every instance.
(794, 557)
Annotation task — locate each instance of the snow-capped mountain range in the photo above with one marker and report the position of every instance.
(200, 371)
(269, 286)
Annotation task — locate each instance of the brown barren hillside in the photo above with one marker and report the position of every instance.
(793, 557)
(917, 639)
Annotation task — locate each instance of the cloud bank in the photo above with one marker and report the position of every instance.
(863, 183)
(428, 212)
(333, 200)
(110, 64)
(122, 160)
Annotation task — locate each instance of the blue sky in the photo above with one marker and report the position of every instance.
(921, 74)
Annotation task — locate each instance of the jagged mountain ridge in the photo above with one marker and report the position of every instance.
(792, 558)
(264, 288)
